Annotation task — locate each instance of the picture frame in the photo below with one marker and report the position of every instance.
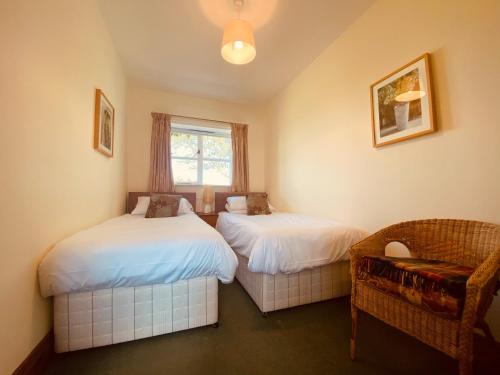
(104, 124)
(401, 103)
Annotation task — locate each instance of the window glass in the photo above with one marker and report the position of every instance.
(216, 172)
(185, 171)
(217, 147)
(184, 145)
(201, 159)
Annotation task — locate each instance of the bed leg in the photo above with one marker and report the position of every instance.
(215, 325)
(264, 314)
(354, 317)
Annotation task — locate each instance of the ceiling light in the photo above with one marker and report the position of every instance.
(238, 43)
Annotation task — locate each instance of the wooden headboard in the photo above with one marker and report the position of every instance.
(221, 198)
(132, 198)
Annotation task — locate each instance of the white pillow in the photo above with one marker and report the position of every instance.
(244, 212)
(228, 209)
(239, 212)
(143, 203)
(185, 207)
(141, 206)
(237, 203)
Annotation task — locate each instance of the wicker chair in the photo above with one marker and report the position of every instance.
(469, 243)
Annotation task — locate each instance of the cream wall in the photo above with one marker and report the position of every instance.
(53, 183)
(320, 152)
(320, 156)
(141, 102)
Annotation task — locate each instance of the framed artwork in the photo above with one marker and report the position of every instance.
(104, 124)
(402, 104)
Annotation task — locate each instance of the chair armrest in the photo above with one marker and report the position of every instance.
(480, 288)
(486, 271)
(371, 245)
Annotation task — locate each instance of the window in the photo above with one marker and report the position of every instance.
(201, 155)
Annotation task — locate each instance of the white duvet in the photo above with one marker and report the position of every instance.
(286, 242)
(130, 251)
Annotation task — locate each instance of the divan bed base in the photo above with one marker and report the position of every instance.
(281, 291)
(110, 316)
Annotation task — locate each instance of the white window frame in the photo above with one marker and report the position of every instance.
(199, 158)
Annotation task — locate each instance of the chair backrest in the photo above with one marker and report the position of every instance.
(460, 241)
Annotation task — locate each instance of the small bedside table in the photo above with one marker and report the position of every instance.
(210, 218)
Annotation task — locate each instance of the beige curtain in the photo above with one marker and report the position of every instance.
(161, 179)
(239, 137)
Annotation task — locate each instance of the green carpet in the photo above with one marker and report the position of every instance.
(311, 339)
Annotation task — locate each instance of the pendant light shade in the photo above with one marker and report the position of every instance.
(238, 44)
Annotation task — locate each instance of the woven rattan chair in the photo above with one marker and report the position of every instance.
(469, 243)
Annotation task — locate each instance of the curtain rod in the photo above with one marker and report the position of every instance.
(198, 118)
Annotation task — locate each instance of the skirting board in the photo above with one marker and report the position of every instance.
(281, 291)
(39, 357)
(110, 316)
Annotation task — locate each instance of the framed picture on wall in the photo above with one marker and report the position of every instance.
(104, 124)
(402, 104)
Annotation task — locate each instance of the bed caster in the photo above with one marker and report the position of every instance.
(215, 325)
(264, 314)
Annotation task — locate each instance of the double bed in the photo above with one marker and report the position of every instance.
(287, 259)
(130, 277)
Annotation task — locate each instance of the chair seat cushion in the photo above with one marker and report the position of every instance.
(434, 285)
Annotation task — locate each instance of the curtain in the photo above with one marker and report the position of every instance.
(161, 179)
(239, 137)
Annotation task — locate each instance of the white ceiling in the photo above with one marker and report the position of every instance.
(175, 44)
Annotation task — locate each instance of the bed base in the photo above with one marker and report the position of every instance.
(281, 291)
(110, 316)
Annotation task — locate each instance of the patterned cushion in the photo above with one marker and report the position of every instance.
(257, 204)
(163, 205)
(435, 285)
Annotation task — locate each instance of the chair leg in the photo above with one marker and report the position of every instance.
(465, 366)
(465, 351)
(481, 324)
(354, 317)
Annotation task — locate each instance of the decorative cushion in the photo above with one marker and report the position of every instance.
(143, 204)
(435, 285)
(257, 204)
(163, 205)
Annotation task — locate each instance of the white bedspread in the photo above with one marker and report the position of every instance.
(286, 242)
(130, 251)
